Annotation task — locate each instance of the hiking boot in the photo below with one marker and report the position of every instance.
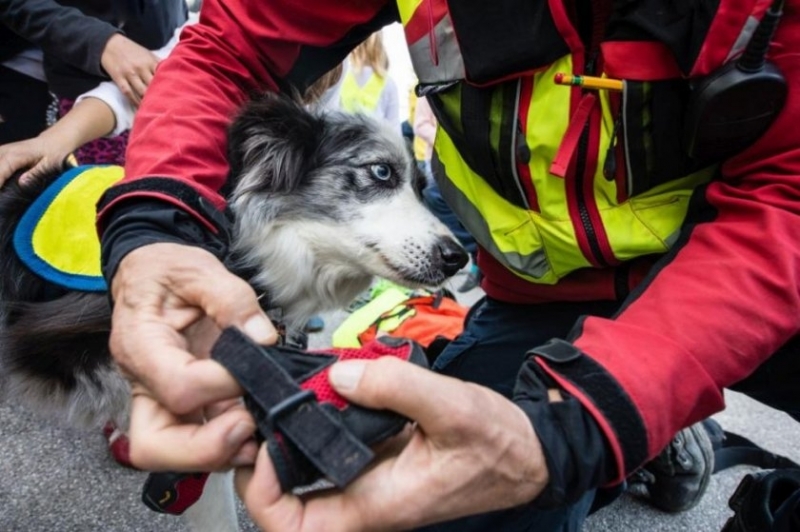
(676, 479)
(472, 281)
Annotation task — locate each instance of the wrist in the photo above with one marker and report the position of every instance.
(59, 144)
(136, 224)
(107, 56)
(577, 455)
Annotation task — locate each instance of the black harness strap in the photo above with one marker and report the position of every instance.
(279, 405)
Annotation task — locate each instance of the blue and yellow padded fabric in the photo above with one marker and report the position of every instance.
(56, 237)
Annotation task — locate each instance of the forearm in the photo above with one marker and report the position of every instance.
(577, 454)
(88, 120)
(121, 108)
(62, 32)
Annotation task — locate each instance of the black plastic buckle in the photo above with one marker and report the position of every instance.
(556, 350)
(288, 405)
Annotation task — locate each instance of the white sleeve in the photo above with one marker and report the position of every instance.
(123, 110)
(109, 93)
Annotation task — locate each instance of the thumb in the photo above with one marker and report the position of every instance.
(392, 384)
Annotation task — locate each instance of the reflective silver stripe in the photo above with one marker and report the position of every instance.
(671, 239)
(450, 65)
(533, 265)
(513, 155)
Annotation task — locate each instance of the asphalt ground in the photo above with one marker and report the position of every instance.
(57, 479)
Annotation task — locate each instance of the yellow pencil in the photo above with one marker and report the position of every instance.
(590, 82)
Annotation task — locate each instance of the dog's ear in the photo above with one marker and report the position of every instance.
(274, 140)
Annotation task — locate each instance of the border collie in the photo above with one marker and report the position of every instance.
(322, 203)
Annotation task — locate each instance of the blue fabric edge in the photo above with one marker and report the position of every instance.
(23, 239)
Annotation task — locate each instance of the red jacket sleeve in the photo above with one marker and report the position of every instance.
(177, 150)
(716, 307)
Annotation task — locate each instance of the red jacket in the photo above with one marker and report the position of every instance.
(720, 304)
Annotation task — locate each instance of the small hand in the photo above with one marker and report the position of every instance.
(129, 65)
(171, 302)
(36, 155)
(472, 451)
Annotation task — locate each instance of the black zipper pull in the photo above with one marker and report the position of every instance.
(591, 63)
(523, 151)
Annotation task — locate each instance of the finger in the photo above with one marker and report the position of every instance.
(43, 167)
(11, 162)
(160, 441)
(147, 75)
(389, 383)
(138, 86)
(217, 409)
(231, 302)
(261, 493)
(126, 89)
(247, 453)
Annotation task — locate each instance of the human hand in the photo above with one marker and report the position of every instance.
(37, 155)
(171, 301)
(129, 65)
(471, 451)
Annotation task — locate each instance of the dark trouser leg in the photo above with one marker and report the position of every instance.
(776, 383)
(23, 106)
(490, 352)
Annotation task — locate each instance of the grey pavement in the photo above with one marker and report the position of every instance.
(56, 479)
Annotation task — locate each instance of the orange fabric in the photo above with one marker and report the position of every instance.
(425, 322)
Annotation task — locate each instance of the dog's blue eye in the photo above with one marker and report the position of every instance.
(380, 171)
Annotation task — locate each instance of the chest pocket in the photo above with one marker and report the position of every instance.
(653, 119)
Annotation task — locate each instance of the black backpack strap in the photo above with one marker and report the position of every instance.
(738, 450)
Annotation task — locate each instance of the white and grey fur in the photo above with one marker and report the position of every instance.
(321, 203)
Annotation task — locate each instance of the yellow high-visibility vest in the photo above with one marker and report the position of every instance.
(541, 174)
(360, 99)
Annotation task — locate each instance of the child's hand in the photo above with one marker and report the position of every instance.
(37, 155)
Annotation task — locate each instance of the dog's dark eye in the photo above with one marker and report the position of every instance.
(380, 171)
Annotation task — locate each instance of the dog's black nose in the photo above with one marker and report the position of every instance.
(452, 254)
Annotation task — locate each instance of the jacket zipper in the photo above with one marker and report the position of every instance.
(595, 252)
(521, 153)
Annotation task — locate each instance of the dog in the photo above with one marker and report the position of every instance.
(321, 203)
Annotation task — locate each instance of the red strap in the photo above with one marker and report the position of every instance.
(572, 136)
